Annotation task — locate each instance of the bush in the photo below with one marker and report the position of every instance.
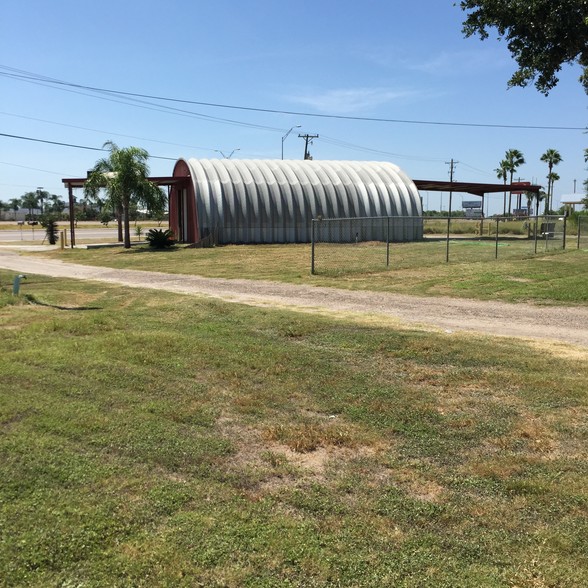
(49, 223)
(160, 238)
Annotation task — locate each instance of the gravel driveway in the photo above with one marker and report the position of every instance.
(563, 324)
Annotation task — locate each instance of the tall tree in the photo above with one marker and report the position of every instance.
(56, 205)
(501, 174)
(124, 176)
(541, 35)
(513, 159)
(14, 204)
(30, 201)
(551, 157)
(42, 197)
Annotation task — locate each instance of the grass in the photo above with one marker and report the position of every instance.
(415, 268)
(151, 439)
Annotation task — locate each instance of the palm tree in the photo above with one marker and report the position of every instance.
(30, 200)
(552, 177)
(42, 196)
(57, 205)
(551, 157)
(501, 172)
(539, 196)
(513, 159)
(14, 204)
(123, 174)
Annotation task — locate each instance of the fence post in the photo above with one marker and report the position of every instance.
(312, 247)
(447, 249)
(536, 227)
(496, 246)
(388, 241)
(579, 230)
(564, 231)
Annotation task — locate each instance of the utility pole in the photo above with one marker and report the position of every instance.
(451, 168)
(451, 165)
(307, 141)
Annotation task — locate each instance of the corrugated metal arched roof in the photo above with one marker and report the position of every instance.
(272, 201)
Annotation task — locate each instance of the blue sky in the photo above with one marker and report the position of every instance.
(374, 59)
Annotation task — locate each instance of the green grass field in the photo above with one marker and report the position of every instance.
(152, 439)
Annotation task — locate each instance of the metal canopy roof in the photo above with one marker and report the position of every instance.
(473, 187)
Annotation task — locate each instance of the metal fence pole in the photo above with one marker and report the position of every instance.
(388, 241)
(312, 247)
(496, 245)
(579, 230)
(536, 232)
(564, 231)
(447, 248)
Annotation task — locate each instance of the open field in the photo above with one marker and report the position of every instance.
(153, 439)
(415, 268)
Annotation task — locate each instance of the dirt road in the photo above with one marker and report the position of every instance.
(559, 324)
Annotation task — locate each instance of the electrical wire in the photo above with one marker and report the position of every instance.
(23, 75)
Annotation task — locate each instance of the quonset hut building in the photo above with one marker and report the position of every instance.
(274, 201)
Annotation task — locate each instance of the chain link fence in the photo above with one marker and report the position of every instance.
(375, 244)
(582, 233)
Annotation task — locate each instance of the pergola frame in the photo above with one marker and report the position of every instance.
(475, 188)
(72, 183)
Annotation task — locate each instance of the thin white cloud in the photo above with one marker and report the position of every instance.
(350, 100)
(457, 63)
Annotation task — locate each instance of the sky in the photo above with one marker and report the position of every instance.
(375, 80)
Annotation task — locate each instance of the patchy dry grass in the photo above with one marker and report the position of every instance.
(162, 440)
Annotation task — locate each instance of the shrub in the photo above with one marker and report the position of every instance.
(160, 238)
(49, 223)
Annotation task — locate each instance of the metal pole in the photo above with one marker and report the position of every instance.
(387, 241)
(72, 230)
(286, 136)
(579, 228)
(536, 231)
(496, 246)
(447, 247)
(564, 231)
(312, 247)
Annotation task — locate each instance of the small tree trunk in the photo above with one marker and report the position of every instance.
(127, 226)
(119, 221)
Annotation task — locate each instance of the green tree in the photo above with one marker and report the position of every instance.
(541, 36)
(56, 205)
(14, 204)
(501, 174)
(539, 196)
(513, 159)
(30, 201)
(42, 197)
(551, 157)
(124, 177)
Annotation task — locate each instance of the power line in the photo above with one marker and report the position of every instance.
(72, 145)
(19, 74)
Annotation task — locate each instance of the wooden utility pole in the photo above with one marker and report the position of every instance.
(307, 141)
